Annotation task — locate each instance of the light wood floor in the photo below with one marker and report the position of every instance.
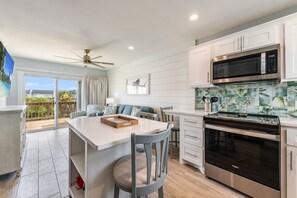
(45, 173)
(184, 181)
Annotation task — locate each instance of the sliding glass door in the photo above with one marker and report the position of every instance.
(67, 100)
(50, 101)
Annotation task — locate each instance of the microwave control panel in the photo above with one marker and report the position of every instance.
(271, 62)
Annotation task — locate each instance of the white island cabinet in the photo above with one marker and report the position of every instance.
(12, 138)
(94, 148)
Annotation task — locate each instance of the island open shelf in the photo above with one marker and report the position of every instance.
(77, 163)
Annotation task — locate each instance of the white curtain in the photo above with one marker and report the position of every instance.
(94, 91)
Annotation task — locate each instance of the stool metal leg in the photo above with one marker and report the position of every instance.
(171, 143)
(175, 138)
(116, 191)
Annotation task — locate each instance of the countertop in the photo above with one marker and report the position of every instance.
(12, 108)
(285, 121)
(101, 136)
(288, 122)
(199, 113)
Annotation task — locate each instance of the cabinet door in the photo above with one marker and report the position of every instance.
(291, 49)
(199, 66)
(227, 45)
(260, 37)
(291, 172)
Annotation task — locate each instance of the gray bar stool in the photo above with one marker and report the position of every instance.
(175, 129)
(143, 173)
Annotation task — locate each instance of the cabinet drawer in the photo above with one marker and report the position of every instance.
(192, 154)
(192, 135)
(191, 121)
(292, 137)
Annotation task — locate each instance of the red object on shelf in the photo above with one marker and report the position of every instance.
(79, 183)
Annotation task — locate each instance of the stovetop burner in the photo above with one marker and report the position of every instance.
(244, 117)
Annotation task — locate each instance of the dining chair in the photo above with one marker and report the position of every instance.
(150, 116)
(174, 130)
(143, 173)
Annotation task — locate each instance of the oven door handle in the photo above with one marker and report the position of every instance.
(251, 133)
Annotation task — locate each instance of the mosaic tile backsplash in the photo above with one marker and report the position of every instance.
(272, 98)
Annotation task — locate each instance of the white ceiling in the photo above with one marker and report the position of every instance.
(39, 29)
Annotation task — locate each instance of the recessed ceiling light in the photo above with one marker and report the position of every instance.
(193, 17)
(131, 47)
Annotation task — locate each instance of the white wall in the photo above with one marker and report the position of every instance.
(168, 80)
(23, 65)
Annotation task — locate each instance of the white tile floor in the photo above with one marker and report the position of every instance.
(45, 171)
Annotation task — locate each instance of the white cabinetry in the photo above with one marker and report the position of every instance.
(192, 141)
(199, 66)
(12, 138)
(291, 49)
(291, 162)
(291, 172)
(228, 45)
(246, 40)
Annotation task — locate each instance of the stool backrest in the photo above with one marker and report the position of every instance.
(150, 116)
(165, 117)
(160, 142)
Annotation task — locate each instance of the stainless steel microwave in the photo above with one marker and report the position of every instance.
(254, 65)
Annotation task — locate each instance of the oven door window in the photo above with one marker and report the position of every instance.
(244, 66)
(252, 158)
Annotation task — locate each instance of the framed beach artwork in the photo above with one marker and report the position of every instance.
(138, 85)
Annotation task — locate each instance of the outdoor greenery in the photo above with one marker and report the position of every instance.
(44, 107)
(3, 76)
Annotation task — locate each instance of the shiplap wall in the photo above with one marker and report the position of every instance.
(168, 82)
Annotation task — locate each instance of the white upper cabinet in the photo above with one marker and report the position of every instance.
(291, 49)
(199, 66)
(246, 40)
(227, 45)
(263, 36)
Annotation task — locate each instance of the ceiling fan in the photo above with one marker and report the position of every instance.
(87, 60)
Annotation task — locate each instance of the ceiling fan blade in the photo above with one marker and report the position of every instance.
(77, 55)
(96, 57)
(75, 62)
(98, 65)
(104, 63)
(67, 58)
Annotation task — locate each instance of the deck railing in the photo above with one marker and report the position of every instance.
(45, 110)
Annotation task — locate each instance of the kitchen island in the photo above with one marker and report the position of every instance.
(94, 148)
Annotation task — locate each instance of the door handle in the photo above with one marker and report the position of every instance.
(208, 77)
(291, 160)
(190, 121)
(191, 136)
(190, 154)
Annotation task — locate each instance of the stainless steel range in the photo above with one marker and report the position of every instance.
(243, 152)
